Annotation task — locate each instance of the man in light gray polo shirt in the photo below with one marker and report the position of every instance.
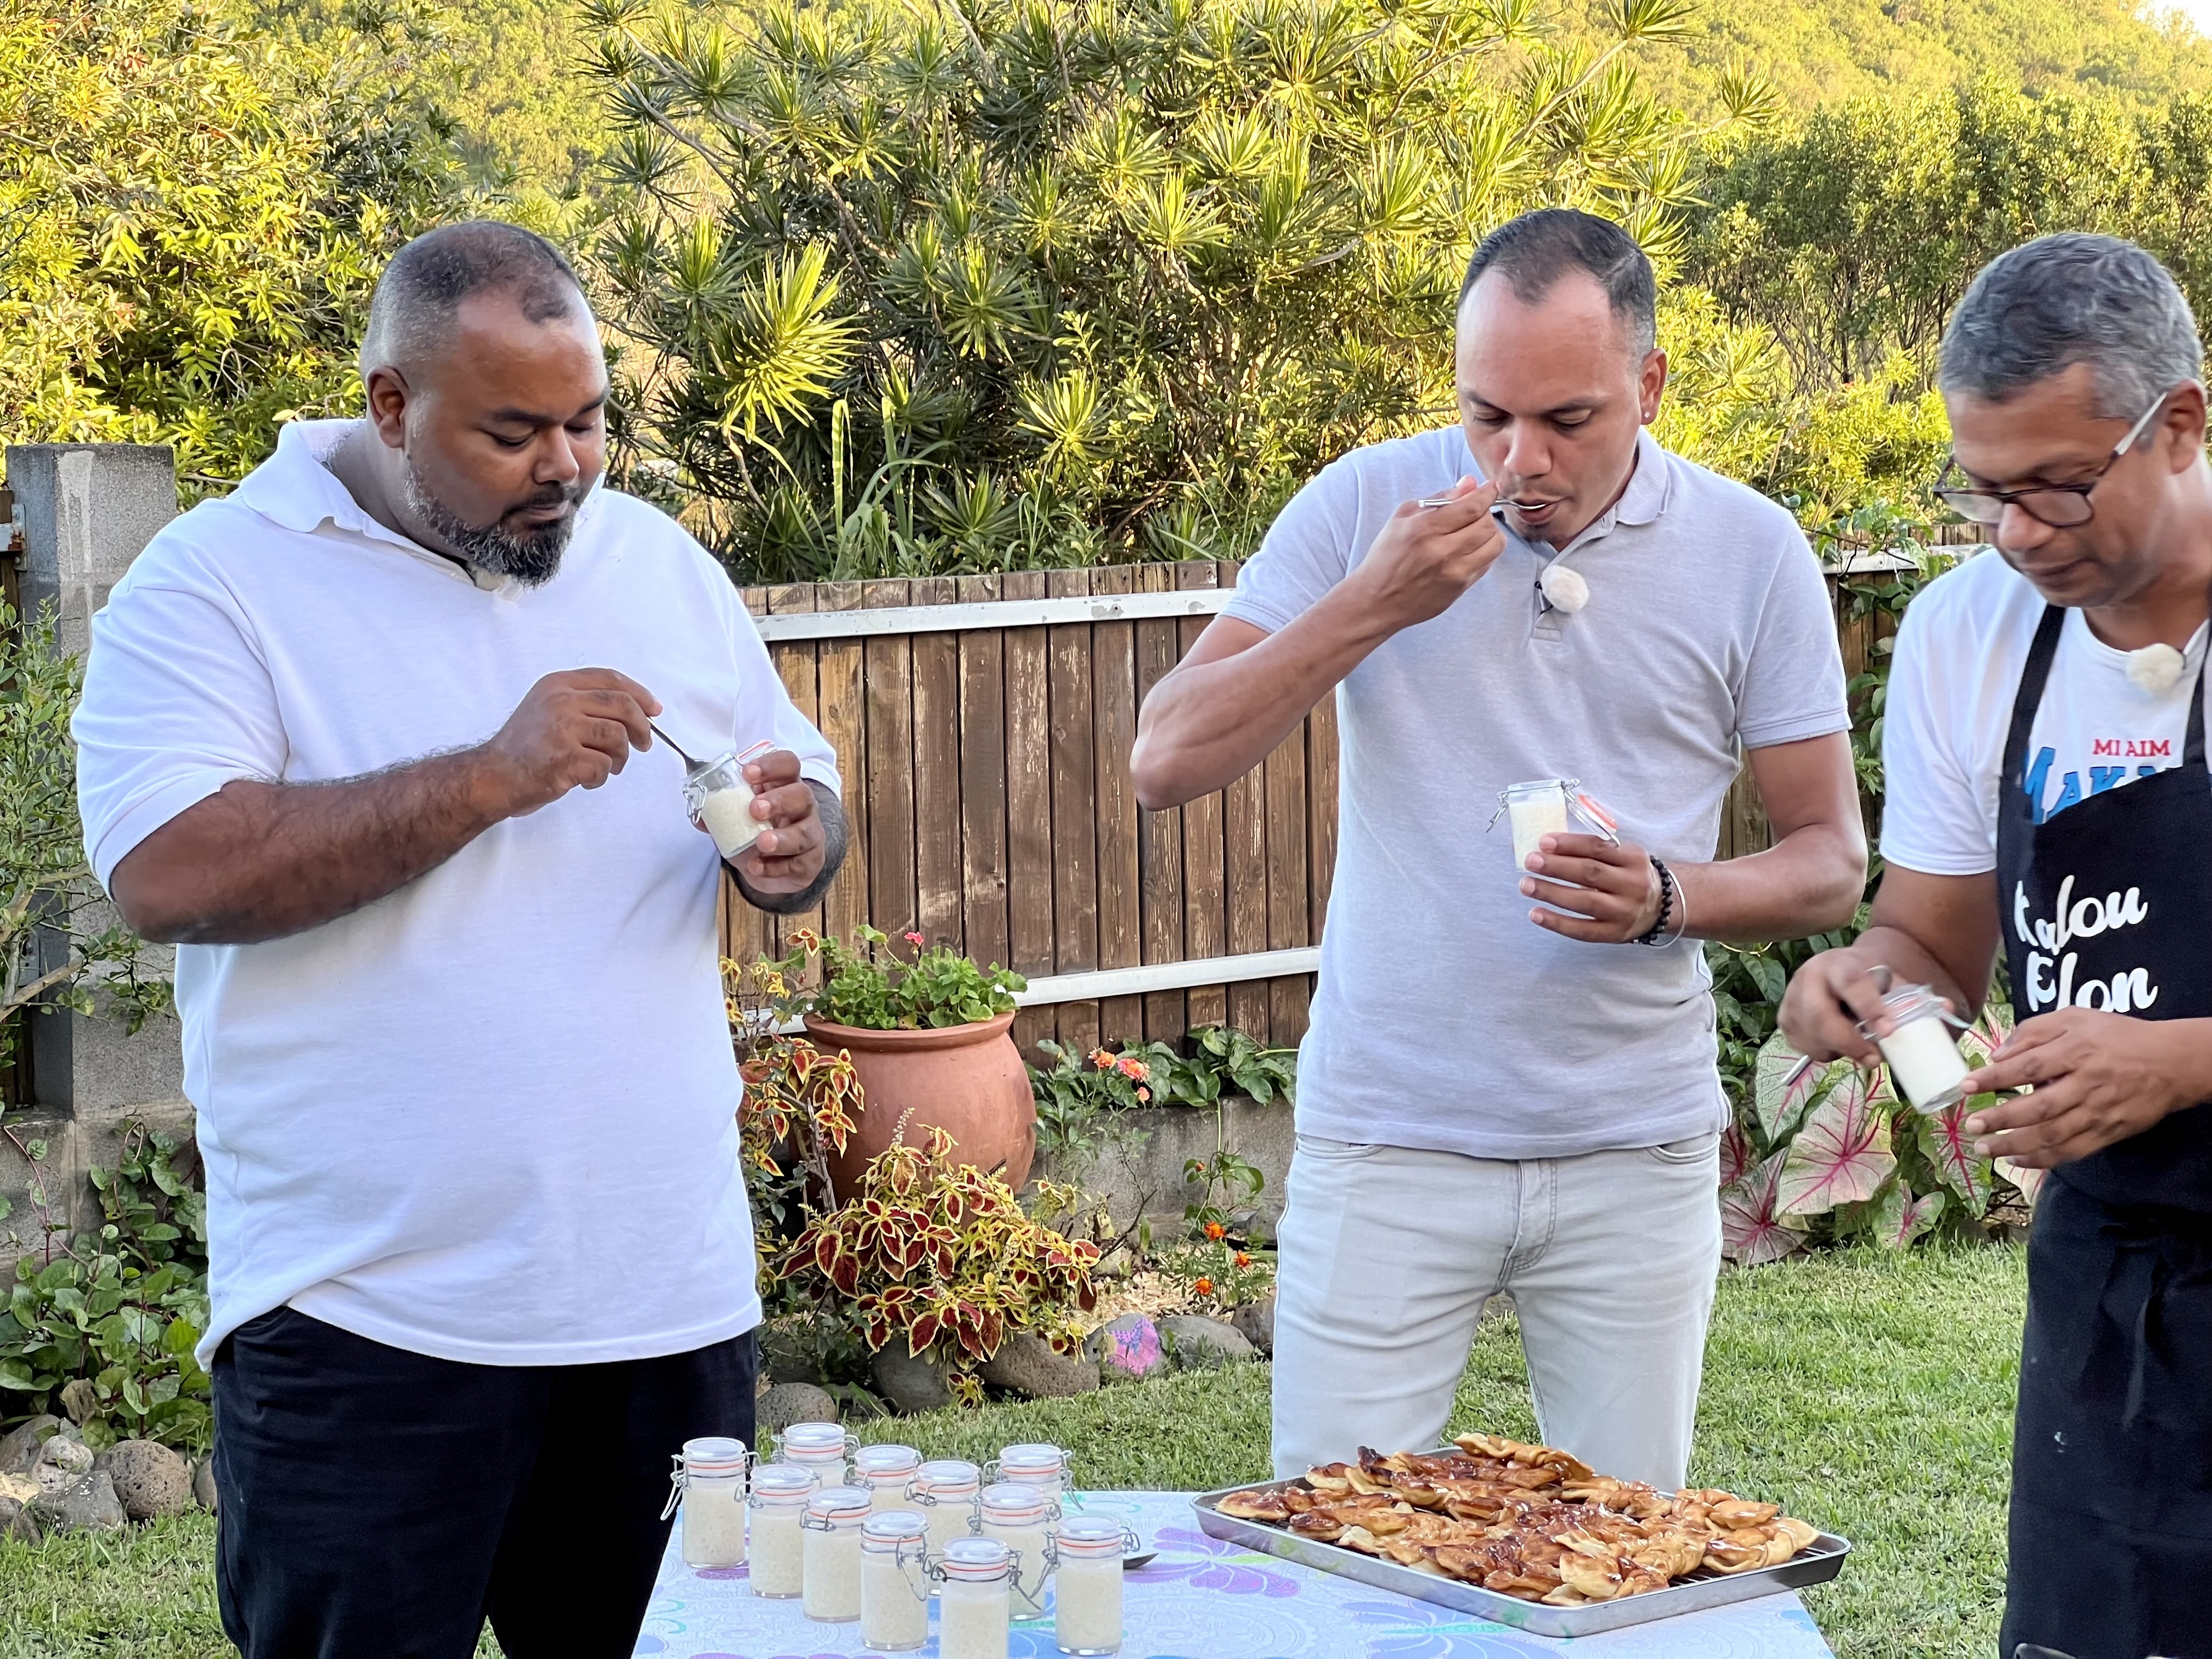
(1510, 1081)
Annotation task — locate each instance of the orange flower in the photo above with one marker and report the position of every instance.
(1102, 1060)
(1143, 1093)
(1242, 1260)
(1216, 1232)
(1204, 1287)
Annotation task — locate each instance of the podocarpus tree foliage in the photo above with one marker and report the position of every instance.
(910, 289)
(190, 221)
(1851, 235)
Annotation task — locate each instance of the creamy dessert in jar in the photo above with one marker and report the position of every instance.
(712, 1480)
(831, 1556)
(775, 1510)
(974, 1609)
(1087, 1586)
(893, 1582)
(1923, 1056)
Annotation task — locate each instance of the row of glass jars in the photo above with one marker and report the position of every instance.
(802, 1506)
(876, 1566)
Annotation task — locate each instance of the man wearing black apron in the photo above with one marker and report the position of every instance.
(2047, 791)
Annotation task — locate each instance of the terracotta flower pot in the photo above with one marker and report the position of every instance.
(967, 1080)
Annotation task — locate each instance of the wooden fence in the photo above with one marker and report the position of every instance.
(985, 753)
(987, 781)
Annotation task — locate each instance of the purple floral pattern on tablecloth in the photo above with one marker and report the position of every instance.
(1217, 1573)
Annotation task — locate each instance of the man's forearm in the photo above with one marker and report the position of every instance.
(1211, 721)
(1809, 882)
(258, 861)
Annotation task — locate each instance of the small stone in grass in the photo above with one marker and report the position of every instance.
(203, 1484)
(1255, 1322)
(1199, 1343)
(150, 1478)
(1027, 1365)
(911, 1383)
(16, 1522)
(787, 1403)
(88, 1505)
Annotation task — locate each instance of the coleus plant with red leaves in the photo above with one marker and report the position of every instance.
(941, 1257)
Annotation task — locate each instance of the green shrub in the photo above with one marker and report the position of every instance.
(909, 289)
(103, 1327)
(194, 218)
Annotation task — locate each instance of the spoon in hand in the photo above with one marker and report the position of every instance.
(689, 763)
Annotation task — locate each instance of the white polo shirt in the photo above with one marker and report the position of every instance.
(1445, 1018)
(491, 1117)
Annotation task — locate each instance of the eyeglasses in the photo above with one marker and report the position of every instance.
(2062, 507)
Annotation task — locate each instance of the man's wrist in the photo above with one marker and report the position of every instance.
(2191, 1063)
(476, 786)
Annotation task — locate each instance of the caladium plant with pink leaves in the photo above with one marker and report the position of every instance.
(1752, 1233)
(1825, 1152)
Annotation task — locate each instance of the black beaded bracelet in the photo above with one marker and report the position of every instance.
(1656, 937)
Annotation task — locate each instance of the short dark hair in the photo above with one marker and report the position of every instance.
(1535, 250)
(2072, 298)
(421, 290)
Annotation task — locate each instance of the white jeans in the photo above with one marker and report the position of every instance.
(1387, 1253)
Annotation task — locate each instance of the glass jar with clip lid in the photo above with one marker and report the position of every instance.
(708, 1483)
(1549, 806)
(975, 1607)
(1086, 1589)
(831, 1558)
(895, 1582)
(1021, 1518)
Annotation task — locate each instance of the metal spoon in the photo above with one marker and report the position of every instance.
(689, 764)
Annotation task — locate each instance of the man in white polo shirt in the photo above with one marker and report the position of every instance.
(1503, 1088)
(368, 739)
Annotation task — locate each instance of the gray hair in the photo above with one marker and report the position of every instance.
(2067, 299)
(1533, 250)
(411, 315)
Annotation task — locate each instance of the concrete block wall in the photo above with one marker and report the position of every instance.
(1146, 1176)
(86, 511)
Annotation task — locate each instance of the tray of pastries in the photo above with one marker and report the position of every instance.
(1525, 1536)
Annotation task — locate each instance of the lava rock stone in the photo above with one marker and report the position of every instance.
(912, 1384)
(60, 1463)
(1027, 1365)
(1199, 1344)
(1255, 1322)
(16, 1522)
(150, 1478)
(787, 1403)
(89, 1504)
(19, 1449)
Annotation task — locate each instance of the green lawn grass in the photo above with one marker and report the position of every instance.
(1872, 1391)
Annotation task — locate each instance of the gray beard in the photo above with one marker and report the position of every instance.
(531, 558)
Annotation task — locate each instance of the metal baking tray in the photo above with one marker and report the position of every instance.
(1817, 1564)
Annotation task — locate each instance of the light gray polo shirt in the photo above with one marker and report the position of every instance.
(1445, 1018)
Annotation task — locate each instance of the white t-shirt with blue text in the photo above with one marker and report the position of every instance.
(1960, 654)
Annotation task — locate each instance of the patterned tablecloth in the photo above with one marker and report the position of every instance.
(1203, 1599)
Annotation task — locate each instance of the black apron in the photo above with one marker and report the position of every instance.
(2111, 1530)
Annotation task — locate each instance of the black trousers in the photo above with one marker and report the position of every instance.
(381, 1505)
(2112, 1495)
